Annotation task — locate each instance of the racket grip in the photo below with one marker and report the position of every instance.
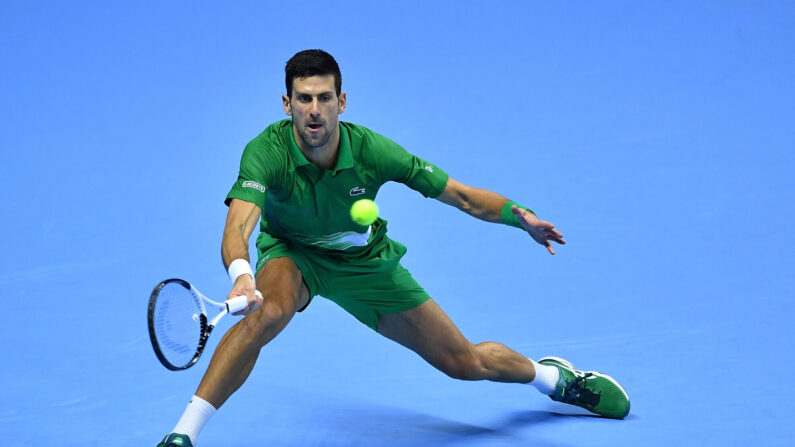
(237, 303)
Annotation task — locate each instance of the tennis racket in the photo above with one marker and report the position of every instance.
(178, 323)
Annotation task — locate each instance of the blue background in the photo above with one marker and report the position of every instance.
(657, 136)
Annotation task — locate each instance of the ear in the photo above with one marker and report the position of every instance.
(342, 102)
(288, 109)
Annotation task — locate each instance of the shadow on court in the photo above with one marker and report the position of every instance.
(373, 426)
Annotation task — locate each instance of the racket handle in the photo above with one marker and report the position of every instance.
(236, 304)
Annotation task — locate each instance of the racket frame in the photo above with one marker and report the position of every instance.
(206, 328)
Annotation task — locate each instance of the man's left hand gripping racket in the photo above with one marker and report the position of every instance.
(178, 326)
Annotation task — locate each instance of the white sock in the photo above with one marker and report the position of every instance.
(546, 378)
(197, 414)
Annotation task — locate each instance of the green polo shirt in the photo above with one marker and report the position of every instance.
(311, 207)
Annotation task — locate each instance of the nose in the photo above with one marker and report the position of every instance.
(315, 107)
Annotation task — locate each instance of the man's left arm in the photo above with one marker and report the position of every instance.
(492, 207)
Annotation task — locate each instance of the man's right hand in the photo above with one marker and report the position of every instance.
(244, 285)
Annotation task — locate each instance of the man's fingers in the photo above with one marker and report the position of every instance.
(253, 304)
(542, 231)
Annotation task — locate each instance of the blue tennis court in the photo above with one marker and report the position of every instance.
(657, 137)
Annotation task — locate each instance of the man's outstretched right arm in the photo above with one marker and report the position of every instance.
(241, 219)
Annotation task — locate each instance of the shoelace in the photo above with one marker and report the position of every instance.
(577, 393)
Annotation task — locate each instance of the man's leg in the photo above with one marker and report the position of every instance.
(283, 292)
(428, 331)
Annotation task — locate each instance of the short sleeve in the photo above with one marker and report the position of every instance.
(254, 176)
(396, 164)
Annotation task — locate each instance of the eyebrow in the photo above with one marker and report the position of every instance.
(328, 92)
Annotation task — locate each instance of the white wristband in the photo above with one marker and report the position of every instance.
(239, 267)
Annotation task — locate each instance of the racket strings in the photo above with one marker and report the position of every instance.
(179, 322)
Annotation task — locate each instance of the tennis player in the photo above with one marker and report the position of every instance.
(299, 178)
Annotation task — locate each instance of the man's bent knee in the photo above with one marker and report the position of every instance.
(262, 323)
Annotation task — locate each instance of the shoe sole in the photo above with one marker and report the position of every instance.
(595, 373)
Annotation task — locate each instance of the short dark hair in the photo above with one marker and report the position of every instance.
(311, 63)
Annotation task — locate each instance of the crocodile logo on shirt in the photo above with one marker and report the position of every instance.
(356, 191)
(429, 168)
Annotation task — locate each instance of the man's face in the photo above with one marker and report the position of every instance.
(315, 107)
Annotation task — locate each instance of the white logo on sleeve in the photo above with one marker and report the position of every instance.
(254, 185)
(357, 191)
(429, 168)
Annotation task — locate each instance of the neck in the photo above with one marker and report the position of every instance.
(325, 156)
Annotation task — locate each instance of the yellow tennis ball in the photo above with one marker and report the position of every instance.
(364, 212)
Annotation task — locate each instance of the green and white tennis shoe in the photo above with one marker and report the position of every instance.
(596, 392)
(175, 440)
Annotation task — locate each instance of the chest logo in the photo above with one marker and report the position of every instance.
(356, 191)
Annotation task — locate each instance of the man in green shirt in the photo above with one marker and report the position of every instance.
(299, 178)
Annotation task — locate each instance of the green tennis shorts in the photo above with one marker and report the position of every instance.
(367, 283)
